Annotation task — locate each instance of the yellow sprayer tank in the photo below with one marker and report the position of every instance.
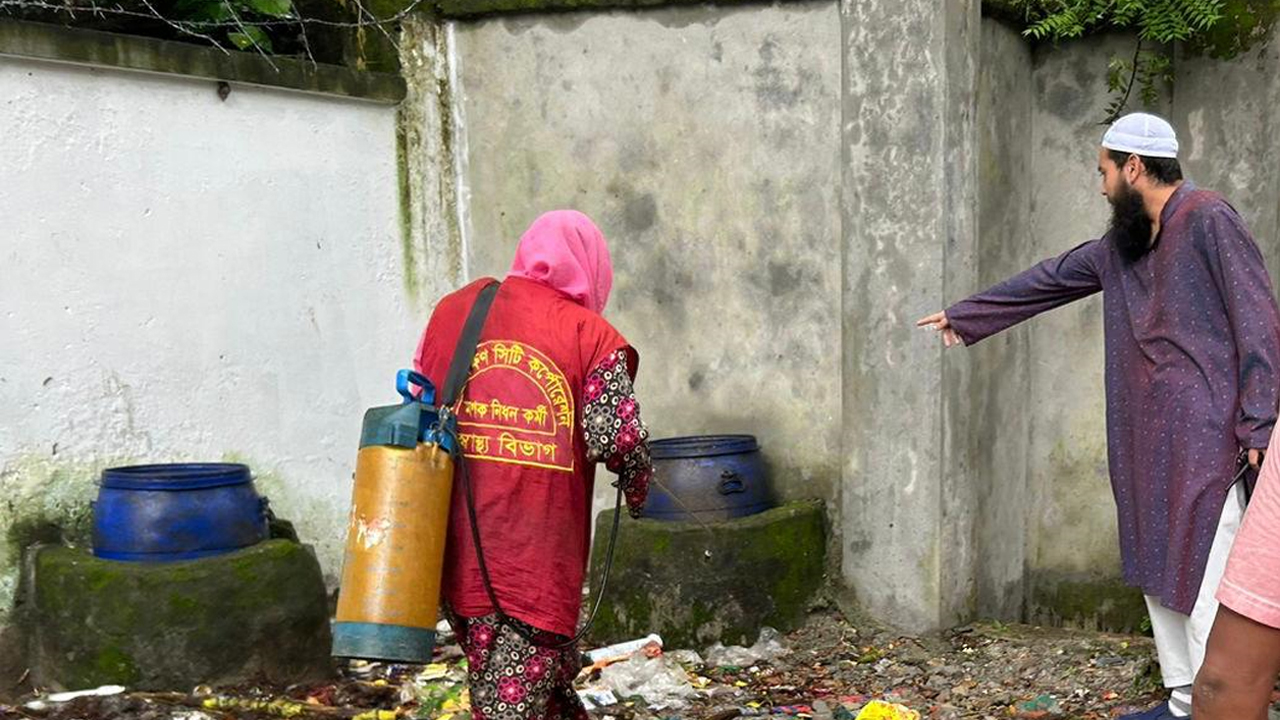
(390, 589)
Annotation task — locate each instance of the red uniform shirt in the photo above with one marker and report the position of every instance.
(520, 428)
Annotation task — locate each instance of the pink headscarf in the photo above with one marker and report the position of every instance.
(565, 250)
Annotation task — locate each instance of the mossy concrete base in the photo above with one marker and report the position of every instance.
(695, 586)
(1087, 603)
(256, 613)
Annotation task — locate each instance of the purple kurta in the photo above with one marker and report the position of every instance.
(1193, 348)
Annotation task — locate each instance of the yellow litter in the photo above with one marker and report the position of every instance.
(880, 710)
(434, 671)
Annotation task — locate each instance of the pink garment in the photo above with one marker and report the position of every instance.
(563, 249)
(1251, 585)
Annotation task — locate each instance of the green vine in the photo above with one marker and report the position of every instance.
(1221, 28)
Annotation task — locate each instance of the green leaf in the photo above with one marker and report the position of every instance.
(252, 35)
(272, 8)
(1118, 71)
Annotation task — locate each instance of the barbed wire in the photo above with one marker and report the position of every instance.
(246, 33)
(93, 8)
(306, 41)
(364, 12)
(187, 31)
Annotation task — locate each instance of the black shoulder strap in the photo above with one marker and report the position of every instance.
(465, 352)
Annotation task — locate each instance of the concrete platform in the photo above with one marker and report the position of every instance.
(256, 613)
(694, 587)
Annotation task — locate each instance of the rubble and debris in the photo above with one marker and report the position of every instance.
(829, 669)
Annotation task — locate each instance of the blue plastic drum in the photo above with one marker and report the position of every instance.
(177, 512)
(708, 477)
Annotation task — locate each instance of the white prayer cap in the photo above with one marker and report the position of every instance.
(1142, 134)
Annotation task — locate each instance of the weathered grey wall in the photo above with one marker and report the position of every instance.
(1046, 533)
(1072, 550)
(1038, 391)
(1228, 117)
(705, 142)
(786, 189)
(1000, 411)
(910, 235)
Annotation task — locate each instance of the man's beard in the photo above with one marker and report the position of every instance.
(1130, 224)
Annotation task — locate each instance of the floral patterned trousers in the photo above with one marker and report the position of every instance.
(513, 679)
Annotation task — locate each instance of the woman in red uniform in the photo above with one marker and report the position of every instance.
(549, 396)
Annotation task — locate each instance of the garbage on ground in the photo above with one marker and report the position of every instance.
(795, 710)
(363, 667)
(281, 708)
(1042, 706)
(660, 681)
(880, 710)
(602, 658)
(64, 697)
(687, 658)
(768, 647)
(592, 699)
(833, 670)
(624, 649)
(444, 633)
(438, 688)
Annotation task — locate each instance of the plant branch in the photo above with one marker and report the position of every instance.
(1128, 90)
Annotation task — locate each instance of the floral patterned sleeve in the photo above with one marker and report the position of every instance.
(614, 432)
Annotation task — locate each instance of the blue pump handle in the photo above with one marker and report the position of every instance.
(405, 378)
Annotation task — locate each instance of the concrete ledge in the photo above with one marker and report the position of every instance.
(40, 41)
(474, 8)
(1003, 9)
(695, 587)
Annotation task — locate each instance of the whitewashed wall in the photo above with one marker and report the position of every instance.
(187, 278)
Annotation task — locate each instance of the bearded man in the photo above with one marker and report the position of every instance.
(1192, 339)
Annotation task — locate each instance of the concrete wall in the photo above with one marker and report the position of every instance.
(701, 139)
(186, 278)
(999, 408)
(705, 142)
(1040, 391)
(1228, 117)
(1072, 550)
(1047, 539)
(786, 188)
(910, 236)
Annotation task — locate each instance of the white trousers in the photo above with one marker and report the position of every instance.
(1180, 639)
